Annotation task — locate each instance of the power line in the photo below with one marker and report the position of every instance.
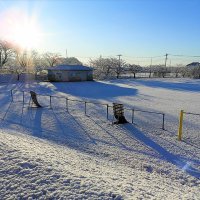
(145, 60)
(183, 55)
(144, 56)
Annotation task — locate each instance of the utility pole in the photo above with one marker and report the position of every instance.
(119, 59)
(118, 70)
(66, 53)
(166, 59)
(150, 68)
(100, 60)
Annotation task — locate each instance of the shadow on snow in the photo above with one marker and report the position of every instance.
(166, 155)
(84, 133)
(94, 90)
(189, 86)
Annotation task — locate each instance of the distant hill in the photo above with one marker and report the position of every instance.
(193, 65)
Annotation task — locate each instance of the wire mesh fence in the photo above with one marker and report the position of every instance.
(95, 109)
(145, 118)
(17, 96)
(98, 110)
(191, 127)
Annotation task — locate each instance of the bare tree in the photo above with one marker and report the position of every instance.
(107, 67)
(51, 59)
(176, 70)
(118, 66)
(6, 52)
(160, 71)
(196, 72)
(134, 69)
(103, 67)
(37, 62)
(24, 61)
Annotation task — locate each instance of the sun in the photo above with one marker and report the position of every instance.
(21, 28)
(26, 35)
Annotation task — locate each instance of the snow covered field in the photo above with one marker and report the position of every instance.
(54, 154)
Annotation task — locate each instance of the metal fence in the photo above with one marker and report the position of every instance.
(24, 77)
(189, 113)
(91, 108)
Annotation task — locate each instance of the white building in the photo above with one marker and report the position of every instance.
(70, 73)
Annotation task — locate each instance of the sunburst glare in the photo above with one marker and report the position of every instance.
(21, 28)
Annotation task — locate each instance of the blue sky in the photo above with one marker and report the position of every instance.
(132, 28)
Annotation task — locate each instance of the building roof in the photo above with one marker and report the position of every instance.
(71, 68)
(193, 65)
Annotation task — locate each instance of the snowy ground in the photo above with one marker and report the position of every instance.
(52, 153)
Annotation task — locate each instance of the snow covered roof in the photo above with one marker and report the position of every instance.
(71, 68)
(193, 65)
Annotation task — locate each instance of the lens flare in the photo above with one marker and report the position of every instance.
(186, 166)
(22, 29)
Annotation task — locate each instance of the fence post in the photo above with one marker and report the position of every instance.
(50, 101)
(67, 104)
(85, 107)
(11, 95)
(180, 130)
(107, 111)
(132, 115)
(163, 122)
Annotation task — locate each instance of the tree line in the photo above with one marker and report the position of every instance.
(113, 67)
(16, 60)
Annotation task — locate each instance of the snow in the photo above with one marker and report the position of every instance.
(51, 153)
(71, 68)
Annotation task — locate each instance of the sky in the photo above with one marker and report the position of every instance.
(136, 29)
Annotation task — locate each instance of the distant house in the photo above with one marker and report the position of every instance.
(68, 73)
(193, 65)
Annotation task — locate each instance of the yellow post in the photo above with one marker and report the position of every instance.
(180, 130)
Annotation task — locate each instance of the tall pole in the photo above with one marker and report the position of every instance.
(166, 59)
(66, 53)
(119, 59)
(118, 70)
(150, 69)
